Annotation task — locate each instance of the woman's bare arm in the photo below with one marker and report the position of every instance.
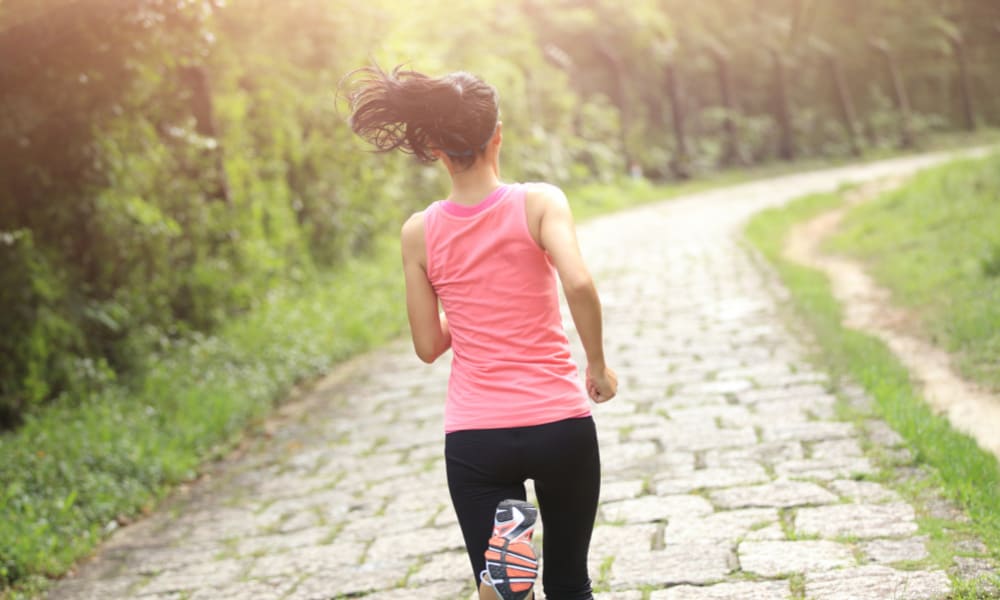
(428, 327)
(557, 236)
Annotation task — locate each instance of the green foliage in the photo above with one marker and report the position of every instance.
(176, 161)
(935, 243)
(970, 475)
(36, 336)
(73, 469)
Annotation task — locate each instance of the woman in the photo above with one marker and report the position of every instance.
(489, 254)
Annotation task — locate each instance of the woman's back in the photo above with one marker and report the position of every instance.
(512, 365)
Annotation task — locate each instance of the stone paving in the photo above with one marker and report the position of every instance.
(726, 472)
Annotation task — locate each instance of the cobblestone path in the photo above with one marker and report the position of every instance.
(726, 471)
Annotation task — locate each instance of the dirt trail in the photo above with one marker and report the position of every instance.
(868, 308)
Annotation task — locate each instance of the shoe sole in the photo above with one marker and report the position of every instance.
(512, 567)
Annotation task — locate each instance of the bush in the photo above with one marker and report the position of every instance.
(71, 471)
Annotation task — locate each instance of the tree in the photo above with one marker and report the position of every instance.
(681, 164)
(722, 58)
(844, 102)
(906, 139)
(955, 46)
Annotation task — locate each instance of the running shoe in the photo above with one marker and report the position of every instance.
(511, 562)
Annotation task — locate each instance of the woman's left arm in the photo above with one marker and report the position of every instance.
(428, 327)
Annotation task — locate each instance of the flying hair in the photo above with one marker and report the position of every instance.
(412, 112)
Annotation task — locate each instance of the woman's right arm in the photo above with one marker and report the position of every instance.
(428, 327)
(557, 236)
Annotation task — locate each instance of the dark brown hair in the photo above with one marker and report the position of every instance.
(404, 109)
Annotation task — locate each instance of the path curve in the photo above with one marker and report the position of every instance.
(868, 307)
(726, 474)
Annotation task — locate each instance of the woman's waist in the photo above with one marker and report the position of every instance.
(513, 402)
(478, 360)
(538, 378)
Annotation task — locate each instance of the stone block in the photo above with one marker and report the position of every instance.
(611, 541)
(877, 583)
(655, 508)
(780, 494)
(695, 564)
(892, 551)
(743, 590)
(864, 521)
(723, 527)
(426, 541)
(772, 559)
(808, 431)
(712, 478)
(825, 469)
(868, 492)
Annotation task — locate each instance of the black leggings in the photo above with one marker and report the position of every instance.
(486, 466)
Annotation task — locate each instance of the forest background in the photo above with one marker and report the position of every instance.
(169, 168)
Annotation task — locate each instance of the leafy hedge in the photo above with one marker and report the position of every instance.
(74, 468)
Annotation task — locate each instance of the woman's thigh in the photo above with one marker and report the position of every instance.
(482, 472)
(567, 476)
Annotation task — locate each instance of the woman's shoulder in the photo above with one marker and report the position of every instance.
(411, 237)
(415, 222)
(542, 188)
(413, 227)
(543, 193)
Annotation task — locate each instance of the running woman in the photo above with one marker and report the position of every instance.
(488, 255)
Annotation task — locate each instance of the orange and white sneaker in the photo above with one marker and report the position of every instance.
(511, 562)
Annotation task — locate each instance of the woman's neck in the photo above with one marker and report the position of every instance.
(473, 184)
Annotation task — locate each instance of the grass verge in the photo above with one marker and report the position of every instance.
(935, 243)
(968, 475)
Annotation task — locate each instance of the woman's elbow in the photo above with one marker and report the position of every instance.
(582, 285)
(426, 353)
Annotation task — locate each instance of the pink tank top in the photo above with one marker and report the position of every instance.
(511, 364)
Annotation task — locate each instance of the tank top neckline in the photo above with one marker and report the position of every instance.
(455, 209)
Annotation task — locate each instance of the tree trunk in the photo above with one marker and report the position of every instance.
(619, 97)
(562, 61)
(196, 79)
(899, 95)
(844, 103)
(681, 165)
(730, 151)
(783, 114)
(968, 112)
(531, 96)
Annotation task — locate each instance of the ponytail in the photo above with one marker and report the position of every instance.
(404, 109)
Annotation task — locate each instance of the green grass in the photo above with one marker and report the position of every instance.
(935, 243)
(71, 470)
(982, 589)
(967, 474)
